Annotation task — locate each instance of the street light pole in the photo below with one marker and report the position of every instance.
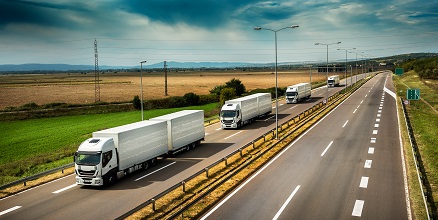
(346, 56)
(326, 80)
(141, 88)
(276, 73)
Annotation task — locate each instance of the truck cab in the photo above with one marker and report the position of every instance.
(291, 95)
(230, 116)
(96, 162)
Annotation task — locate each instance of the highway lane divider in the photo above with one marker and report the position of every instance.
(199, 192)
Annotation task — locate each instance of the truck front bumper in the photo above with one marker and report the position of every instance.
(94, 181)
(225, 126)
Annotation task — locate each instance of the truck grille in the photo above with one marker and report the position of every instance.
(86, 173)
(227, 122)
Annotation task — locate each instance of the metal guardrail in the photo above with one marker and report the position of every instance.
(239, 150)
(36, 176)
(421, 172)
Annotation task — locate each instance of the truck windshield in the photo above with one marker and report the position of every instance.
(228, 113)
(330, 81)
(291, 93)
(87, 158)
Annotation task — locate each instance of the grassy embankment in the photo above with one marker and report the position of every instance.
(36, 145)
(424, 120)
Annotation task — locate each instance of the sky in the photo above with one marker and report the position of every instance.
(128, 32)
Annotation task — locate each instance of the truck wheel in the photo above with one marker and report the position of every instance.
(111, 179)
(193, 145)
(145, 165)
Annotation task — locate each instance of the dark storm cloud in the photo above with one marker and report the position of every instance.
(40, 13)
(207, 14)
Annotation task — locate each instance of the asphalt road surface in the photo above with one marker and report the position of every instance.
(64, 199)
(347, 166)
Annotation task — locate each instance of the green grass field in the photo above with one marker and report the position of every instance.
(424, 121)
(31, 146)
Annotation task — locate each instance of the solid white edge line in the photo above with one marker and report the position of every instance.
(154, 171)
(408, 203)
(327, 148)
(233, 135)
(65, 188)
(286, 203)
(270, 162)
(10, 210)
(36, 187)
(358, 207)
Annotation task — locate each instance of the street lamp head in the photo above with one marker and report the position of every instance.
(143, 61)
(294, 26)
(338, 42)
(257, 28)
(316, 43)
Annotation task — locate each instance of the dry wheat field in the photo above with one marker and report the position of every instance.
(77, 88)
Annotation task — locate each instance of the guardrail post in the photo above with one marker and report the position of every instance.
(264, 137)
(226, 161)
(241, 152)
(24, 183)
(183, 186)
(253, 145)
(153, 204)
(206, 172)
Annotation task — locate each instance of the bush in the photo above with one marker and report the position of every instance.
(177, 101)
(191, 99)
(29, 106)
(136, 102)
(227, 94)
(235, 84)
(206, 99)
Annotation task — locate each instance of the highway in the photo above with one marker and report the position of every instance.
(347, 166)
(64, 199)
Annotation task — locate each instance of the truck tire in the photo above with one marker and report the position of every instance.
(111, 179)
(145, 165)
(153, 161)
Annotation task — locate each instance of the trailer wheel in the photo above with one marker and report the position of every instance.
(153, 161)
(145, 165)
(193, 145)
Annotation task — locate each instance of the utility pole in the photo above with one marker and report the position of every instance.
(165, 78)
(96, 74)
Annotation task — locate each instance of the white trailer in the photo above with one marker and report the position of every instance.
(333, 81)
(244, 110)
(185, 129)
(297, 92)
(115, 152)
(112, 153)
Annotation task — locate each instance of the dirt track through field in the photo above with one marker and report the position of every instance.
(20, 89)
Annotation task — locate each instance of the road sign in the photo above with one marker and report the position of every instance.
(412, 94)
(399, 71)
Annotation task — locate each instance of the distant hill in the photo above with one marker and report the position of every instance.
(35, 67)
(68, 67)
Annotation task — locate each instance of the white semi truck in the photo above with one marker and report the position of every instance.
(333, 81)
(112, 153)
(297, 92)
(237, 112)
